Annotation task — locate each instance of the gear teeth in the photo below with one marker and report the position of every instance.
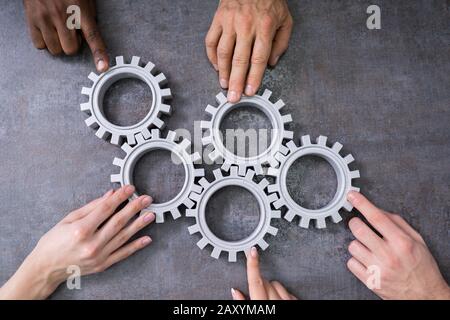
(349, 159)
(157, 122)
(149, 67)
(289, 215)
(234, 171)
(292, 146)
(306, 140)
(205, 125)
(188, 202)
(279, 104)
(289, 135)
(101, 133)
(216, 253)
(190, 213)
(263, 184)
(159, 217)
(165, 109)
(202, 243)
(199, 173)
(194, 229)
(232, 256)
(155, 133)
(135, 61)
(275, 214)
(284, 150)
(273, 188)
(185, 144)
(258, 169)
(211, 110)
(140, 138)
(273, 162)
(214, 156)
(304, 222)
(118, 162)
(322, 141)
(131, 140)
(195, 196)
(119, 61)
(267, 94)
(279, 158)
(146, 134)
(116, 178)
(196, 188)
(221, 99)
(115, 139)
(287, 118)
(126, 148)
(273, 198)
(218, 174)
(85, 107)
(161, 79)
(195, 157)
(166, 93)
(249, 175)
(171, 136)
(93, 77)
(242, 169)
(207, 140)
(336, 217)
(337, 147)
(175, 213)
(91, 122)
(273, 172)
(272, 230)
(204, 183)
(86, 91)
(226, 166)
(354, 188)
(354, 174)
(320, 223)
(263, 244)
(348, 206)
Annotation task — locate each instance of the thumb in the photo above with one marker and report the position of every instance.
(237, 295)
(94, 39)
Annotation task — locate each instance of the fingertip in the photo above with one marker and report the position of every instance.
(254, 253)
(102, 65)
(146, 241)
(353, 197)
(129, 189)
(233, 96)
(274, 60)
(146, 201)
(149, 217)
(250, 90)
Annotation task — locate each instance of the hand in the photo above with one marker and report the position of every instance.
(406, 267)
(244, 36)
(92, 238)
(47, 25)
(258, 287)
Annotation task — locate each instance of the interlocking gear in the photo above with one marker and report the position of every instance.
(288, 155)
(265, 212)
(101, 83)
(180, 152)
(212, 134)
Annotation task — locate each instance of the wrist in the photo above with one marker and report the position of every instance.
(32, 281)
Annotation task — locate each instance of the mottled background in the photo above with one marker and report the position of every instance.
(383, 94)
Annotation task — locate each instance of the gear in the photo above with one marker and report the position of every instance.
(101, 83)
(212, 134)
(266, 213)
(287, 157)
(180, 152)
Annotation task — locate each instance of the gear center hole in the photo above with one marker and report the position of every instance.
(127, 102)
(246, 131)
(158, 176)
(311, 182)
(232, 213)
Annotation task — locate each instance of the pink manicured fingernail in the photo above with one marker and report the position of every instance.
(149, 217)
(223, 83)
(351, 196)
(232, 96)
(254, 252)
(249, 90)
(129, 189)
(101, 65)
(146, 241)
(233, 292)
(146, 201)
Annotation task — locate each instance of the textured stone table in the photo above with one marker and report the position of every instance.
(383, 94)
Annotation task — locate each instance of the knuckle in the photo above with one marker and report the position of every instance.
(391, 262)
(267, 22)
(240, 60)
(406, 246)
(210, 43)
(223, 53)
(80, 233)
(90, 251)
(259, 59)
(258, 282)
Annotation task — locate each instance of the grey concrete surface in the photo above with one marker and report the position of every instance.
(383, 94)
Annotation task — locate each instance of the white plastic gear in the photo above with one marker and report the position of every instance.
(212, 134)
(288, 155)
(266, 213)
(101, 83)
(180, 152)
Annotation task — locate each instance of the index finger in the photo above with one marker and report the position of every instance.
(93, 38)
(256, 287)
(376, 217)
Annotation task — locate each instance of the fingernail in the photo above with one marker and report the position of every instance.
(276, 60)
(216, 67)
(129, 189)
(146, 241)
(254, 252)
(149, 217)
(101, 65)
(107, 194)
(223, 83)
(249, 90)
(233, 292)
(232, 96)
(351, 196)
(146, 201)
